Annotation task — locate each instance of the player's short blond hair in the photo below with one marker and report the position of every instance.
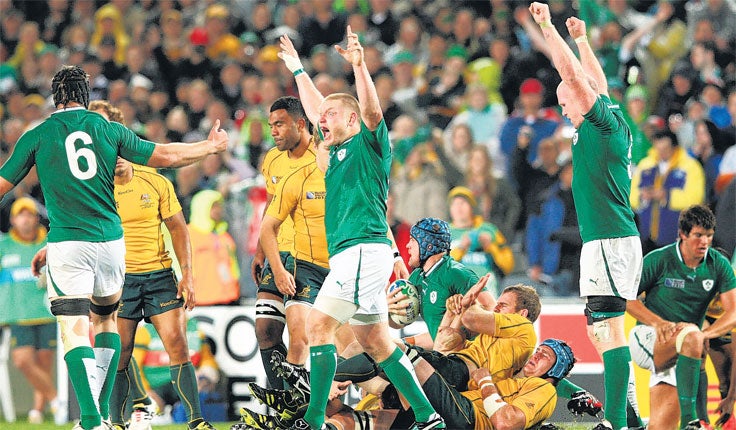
(347, 100)
(113, 113)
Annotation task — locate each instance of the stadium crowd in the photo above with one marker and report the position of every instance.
(467, 90)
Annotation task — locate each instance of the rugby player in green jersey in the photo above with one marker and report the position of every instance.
(358, 242)
(75, 152)
(677, 284)
(610, 260)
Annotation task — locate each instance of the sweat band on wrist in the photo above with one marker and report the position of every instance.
(493, 403)
(545, 24)
(485, 380)
(581, 39)
(298, 71)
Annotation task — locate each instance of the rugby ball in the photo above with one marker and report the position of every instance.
(411, 294)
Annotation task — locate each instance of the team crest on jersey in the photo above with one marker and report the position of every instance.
(433, 297)
(708, 284)
(575, 138)
(341, 154)
(145, 200)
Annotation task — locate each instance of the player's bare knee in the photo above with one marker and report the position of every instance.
(689, 341)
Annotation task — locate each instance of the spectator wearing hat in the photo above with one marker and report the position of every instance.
(109, 22)
(406, 84)
(32, 327)
(529, 113)
(636, 112)
(221, 44)
(665, 183)
(268, 61)
(34, 107)
(478, 245)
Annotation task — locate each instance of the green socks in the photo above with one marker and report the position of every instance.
(185, 384)
(702, 405)
(566, 389)
(687, 373)
(400, 372)
(323, 359)
(137, 391)
(119, 397)
(273, 380)
(107, 355)
(80, 363)
(616, 380)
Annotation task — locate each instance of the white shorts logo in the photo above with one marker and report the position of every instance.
(341, 154)
(433, 297)
(708, 284)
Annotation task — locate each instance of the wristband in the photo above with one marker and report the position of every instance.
(397, 254)
(493, 403)
(485, 381)
(299, 71)
(545, 24)
(581, 39)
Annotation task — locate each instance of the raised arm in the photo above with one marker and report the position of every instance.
(182, 154)
(370, 108)
(309, 95)
(567, 65)
(591, 66)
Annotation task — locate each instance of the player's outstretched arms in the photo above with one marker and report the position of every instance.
(309, 95)
(182, 154)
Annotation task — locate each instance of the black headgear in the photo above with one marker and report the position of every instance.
(70, 84)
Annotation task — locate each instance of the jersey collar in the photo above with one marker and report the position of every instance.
(436, 265)
(69, 109)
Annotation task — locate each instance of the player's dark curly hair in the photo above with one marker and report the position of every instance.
(697, 215)
(293, 106)
(70, 84)
(526, 298)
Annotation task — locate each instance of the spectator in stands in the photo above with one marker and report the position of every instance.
(443, 96)
(720, 13)
(409, 39)
(484, 118)
(553, 238)
(674, 95)
(665, 183)
(29, 44)
(32, 327)
(420, 186)
(221, 44)
(498, 203)
(323, 27)
(533, 179)
(457, 143)
(214, 265)
(530, 113)
(730, 129)
(385, 87)
(10, 24)
(406, 92)
(109, 23)
(704, 150)
(479, 245)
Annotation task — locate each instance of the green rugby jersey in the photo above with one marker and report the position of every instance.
(444, 279)
(24, 302)
(75, 152)
(601, 180)
(357, 189)
(678, 293)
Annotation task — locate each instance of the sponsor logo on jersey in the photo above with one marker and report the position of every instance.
(316, 195)
(433, 297)
(708, 284)
(674, 283)
(341, 154)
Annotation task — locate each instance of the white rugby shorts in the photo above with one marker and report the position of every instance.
(611, 267)
(80, 268)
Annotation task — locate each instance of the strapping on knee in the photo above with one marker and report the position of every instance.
(601, 308)
(680, 339)
(104, 310)
(73, 306)
(271, 309)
